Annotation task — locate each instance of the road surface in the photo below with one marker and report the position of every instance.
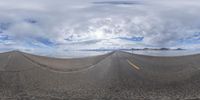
(113, 76)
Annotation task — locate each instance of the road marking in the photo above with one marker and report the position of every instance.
(133, 65)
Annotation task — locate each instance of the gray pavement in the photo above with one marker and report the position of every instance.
(113, 76)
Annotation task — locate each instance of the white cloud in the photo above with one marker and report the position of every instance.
(73, 24)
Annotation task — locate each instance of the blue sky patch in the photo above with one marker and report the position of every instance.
(138, 39)
(4, 37)
(193, 39)
(118, 2)
(45, 41)
(31, 21)
(4, 26)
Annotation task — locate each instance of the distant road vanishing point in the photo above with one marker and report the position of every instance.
(113, 76)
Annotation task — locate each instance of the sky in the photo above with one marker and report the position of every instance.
(51, 26)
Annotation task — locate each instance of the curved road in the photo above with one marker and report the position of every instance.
(117, 75)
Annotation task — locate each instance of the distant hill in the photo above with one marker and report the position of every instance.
(122, 49)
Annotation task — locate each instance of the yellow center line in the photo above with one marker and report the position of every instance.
(133, 65)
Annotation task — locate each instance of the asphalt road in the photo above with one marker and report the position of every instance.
(113, 76)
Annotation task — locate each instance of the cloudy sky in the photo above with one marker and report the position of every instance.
(62, 25)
